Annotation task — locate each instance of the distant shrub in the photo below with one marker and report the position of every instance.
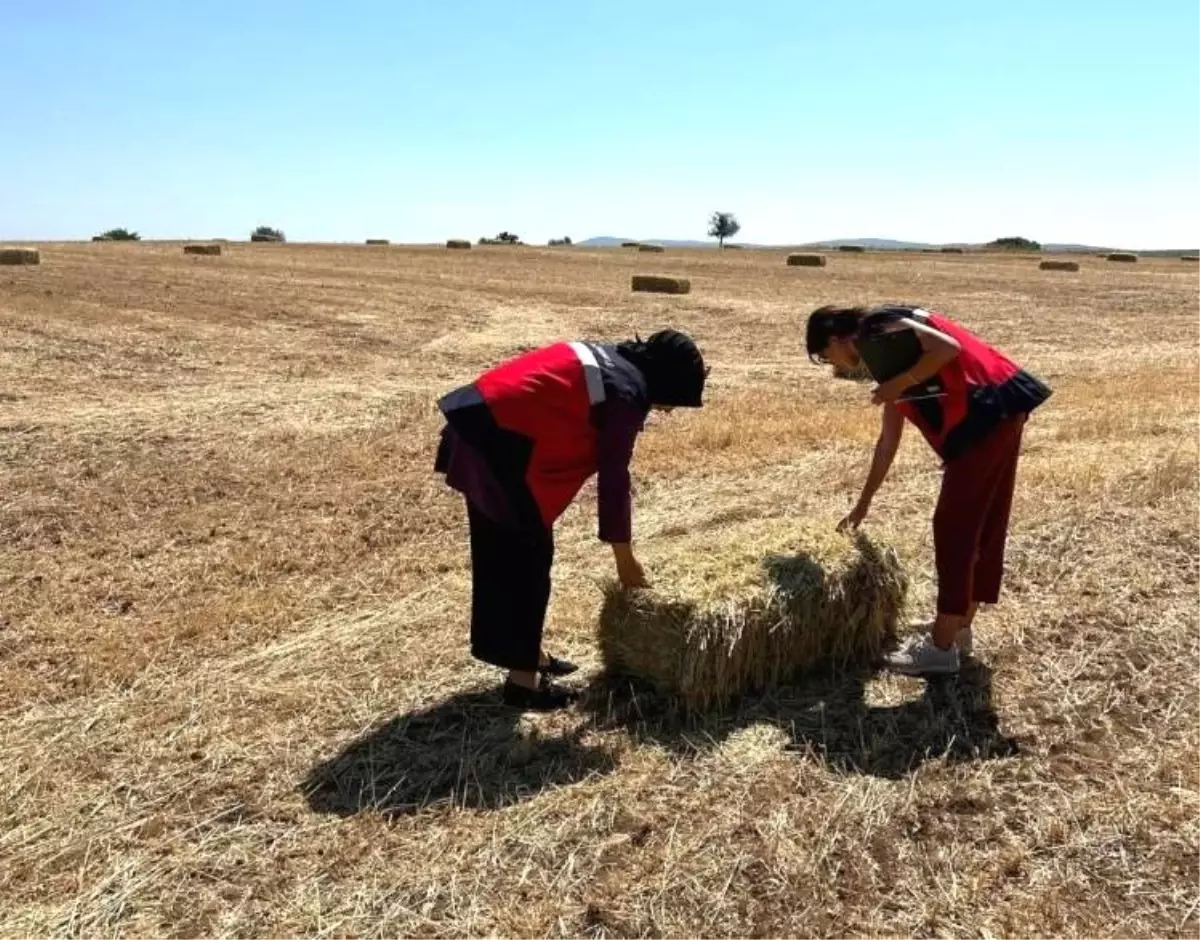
(1015, 243)
(118, 235)
(264, 233)
(559, 242)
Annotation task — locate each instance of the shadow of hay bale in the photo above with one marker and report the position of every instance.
(824, 715)
(469, 751)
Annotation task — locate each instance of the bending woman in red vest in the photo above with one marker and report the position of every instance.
(519, 444)
(970, 401)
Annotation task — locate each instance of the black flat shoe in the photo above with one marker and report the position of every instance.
(545, 698)
(553, 666)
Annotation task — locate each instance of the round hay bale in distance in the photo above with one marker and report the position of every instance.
(201, 249)
(750, 608)
(856, 249)
(378, 241)
(20, 255)
(653, 248)
(806, 261)
(1053, 264)
(460, 244)
(1126, 256)
(660, 284)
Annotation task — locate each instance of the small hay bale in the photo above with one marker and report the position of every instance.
(1189, 257)
(1126, 256)
(378, 241)
(952, 251)
(751, 608)
(658, 249)
(929, 251)
(101, 238)
(461, 244)
(631, 244)
(806, 261)
(1055, 265)
(201, 249)
(20, 256)
(660, 284)
(859, 249)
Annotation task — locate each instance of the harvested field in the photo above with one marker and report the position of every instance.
(235, 694)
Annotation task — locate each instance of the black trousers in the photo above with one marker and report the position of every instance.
(510, 590)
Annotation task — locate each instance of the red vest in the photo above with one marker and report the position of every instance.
(969, 395)
(547, 396)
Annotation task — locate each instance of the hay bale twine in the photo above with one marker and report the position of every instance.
(378, 241)
(1189, 257)
(658, 249)
(806, 261)
(1050, 264)
(18, 255)
(660, 284)
(858, 249)
(460, 244)
(952, 251)
(201, 249)
(750, 608)
(1126, 256)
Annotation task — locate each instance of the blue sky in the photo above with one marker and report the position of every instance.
(419, 121)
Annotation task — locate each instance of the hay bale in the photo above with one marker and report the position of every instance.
(1189, 257)
(748, 609)
(1055, 265)
(459, 243)
(806, 261)
(660, 284)
(952, 251)
(658, 249)
(929, 251)
(201, 249)
(101, 238)
(378, 241)
(859, 249)
(1126, 256)
(631, 244)
(259, 237)
(20, 256)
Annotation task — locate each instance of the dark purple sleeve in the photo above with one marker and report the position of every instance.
(619, 429)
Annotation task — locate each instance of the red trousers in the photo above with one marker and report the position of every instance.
(970, 524)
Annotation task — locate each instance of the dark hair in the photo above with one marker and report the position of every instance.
(825, 323)
(672, 366)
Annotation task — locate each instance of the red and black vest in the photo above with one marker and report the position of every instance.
(969, 395)
(533, 418)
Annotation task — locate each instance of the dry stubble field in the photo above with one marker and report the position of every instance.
(234, 691)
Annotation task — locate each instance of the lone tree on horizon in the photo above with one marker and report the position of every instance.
(723, 225)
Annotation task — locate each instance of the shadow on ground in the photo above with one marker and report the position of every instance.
(826, 715)
(468, 751)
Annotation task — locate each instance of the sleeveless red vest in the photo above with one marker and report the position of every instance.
(547, 396)
(971, 394)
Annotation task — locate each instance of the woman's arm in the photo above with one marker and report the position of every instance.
(937, 349)
(890, 430)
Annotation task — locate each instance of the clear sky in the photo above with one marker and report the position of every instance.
(1060, 120)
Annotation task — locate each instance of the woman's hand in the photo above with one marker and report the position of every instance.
(630, 572)
(854, 517)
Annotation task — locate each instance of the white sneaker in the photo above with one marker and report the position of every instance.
(919, 657)
(964, 640)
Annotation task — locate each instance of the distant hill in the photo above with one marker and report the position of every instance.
(874, 244)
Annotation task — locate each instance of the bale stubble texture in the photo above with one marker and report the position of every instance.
(751, 609)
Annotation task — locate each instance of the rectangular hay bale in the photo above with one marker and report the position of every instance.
(659, 284)
(201, 249)
(1054, 264)
(20, 255)
(746, 608)
(806, 261)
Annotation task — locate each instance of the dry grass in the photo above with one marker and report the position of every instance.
(772, 598)
(235, 696)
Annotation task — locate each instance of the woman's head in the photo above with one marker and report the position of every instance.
(831, 333)
(672, 366)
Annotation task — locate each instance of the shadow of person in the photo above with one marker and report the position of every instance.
(825, 715)
(468, 751)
